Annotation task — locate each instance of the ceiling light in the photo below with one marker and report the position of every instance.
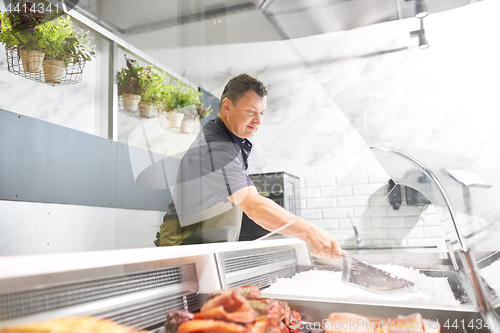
(421, 9)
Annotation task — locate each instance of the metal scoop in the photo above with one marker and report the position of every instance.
(366, 276)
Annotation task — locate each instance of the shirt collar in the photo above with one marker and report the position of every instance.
(243, 143)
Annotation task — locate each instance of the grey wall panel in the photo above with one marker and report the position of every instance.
(213, 102)
(44, 162)
(137, 194)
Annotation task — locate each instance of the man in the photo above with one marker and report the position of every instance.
(213, 186)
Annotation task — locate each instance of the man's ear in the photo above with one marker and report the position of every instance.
(226, 103)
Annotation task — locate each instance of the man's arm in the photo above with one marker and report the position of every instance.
(272, 216)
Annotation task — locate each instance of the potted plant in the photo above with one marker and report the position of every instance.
(50, 45)
(72, 49)
(129, 85)
(154, 91)
(19, 29)
(202, 113)
(179, 97)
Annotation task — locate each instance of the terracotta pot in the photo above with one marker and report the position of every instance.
(187, 125)
(32, 60)
(53, 70)
(130, 102)
(164, 123)
(146, 110)
(175, 119)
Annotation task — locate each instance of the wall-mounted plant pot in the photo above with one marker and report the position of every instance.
(32, 60)
(131, 102)
(53, 70)
(147, 111)
(30, 65)
(175, 119)
(187, 125)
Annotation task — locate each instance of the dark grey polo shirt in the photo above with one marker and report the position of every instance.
(212, 169)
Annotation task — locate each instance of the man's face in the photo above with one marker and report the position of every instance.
(244, 118)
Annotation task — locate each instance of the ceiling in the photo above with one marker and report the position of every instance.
(288, 18)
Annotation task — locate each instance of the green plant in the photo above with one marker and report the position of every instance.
(52, 37)
(78, 46)
(19, 26)
(203, 111)
(154, 86)
(24, 27)
(128, 79)
(179, 96)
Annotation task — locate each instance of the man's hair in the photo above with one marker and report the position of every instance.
(239, 85)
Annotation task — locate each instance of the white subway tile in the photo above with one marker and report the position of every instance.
(336, 191)
(302, 182)
(433, 232)
(347, 243)
(388, 222)
(311, 214)
(404, 211)
(303, 204)
(327, 224)
(352, 179)
(320, 182)
(308, 193)
(346, 223)
(399, 233)
(343, 235)
(355, 201)
(371, 211)
(369, 189)
(337, 213)
(431, 209)
(381, 178)
(381, 200)
(321, 203)
(431, 219)
(373, 234)
(411, 221)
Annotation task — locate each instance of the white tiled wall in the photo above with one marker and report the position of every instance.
(329, 203)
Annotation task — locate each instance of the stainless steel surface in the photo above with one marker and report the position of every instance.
(366, 276)
(471, 271)
(359, 240)
(452, 255)
(257, 266)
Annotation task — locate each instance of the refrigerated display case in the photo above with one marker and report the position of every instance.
(138, 287)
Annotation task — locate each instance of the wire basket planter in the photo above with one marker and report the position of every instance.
(35, 66)
(133, 106)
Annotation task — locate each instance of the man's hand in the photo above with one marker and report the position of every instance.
(272, 216)
(323, 244)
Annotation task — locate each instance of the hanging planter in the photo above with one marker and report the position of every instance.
(49, 52)
(175, 119)
(187, 125)
(32, 60)
(130, 102)
(53, 70)
(147, 110)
